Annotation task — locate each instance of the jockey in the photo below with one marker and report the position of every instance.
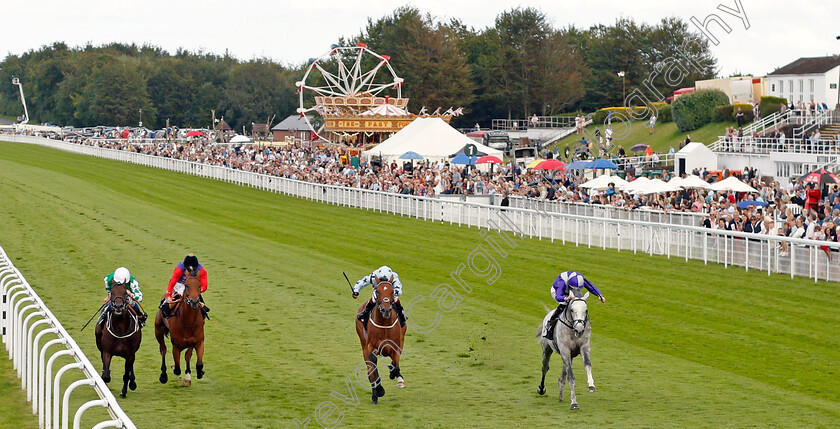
(383, 273)
(564, 283)
(176, 284)
(122, 276)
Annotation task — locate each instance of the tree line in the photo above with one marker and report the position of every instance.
(519, 66)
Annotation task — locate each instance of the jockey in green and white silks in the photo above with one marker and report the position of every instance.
(122, 276)
(383, 273)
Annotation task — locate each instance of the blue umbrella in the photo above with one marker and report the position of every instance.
(411, 155)
(603, 164)
(579, 165)
(746, 203)
(463, 159)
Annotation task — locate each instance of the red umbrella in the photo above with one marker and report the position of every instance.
(488, 159)
(195, 133)
(550, 164)
(820, 177)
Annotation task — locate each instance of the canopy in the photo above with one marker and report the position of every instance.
(692, 181)
(240, 139)
(463, 159)
(820, 176)
(656, 186)
(732, 183)
(432, 138)
(631, 186)
(488, 159)
(603, 182)
(195, 133)
(599, 164)
(550, 164)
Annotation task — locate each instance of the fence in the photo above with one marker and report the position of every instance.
(751, 251)
(23, 312)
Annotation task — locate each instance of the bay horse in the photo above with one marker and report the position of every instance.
(383, 336)
(569, 340)
(185, 329)
(119, 335)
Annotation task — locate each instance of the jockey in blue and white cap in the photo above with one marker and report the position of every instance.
(383, 273)
(560, 289)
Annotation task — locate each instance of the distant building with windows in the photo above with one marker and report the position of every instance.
(807, 79)
(739, 89)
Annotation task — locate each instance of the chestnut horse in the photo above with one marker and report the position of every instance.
(119, 335)
(185, 329)
(382, 336)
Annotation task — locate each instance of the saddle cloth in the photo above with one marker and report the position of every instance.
(545, 323)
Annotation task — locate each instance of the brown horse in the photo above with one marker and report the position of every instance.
(382, 336)
(119, 335)
(185, 329)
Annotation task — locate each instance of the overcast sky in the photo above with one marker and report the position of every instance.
(291, 32)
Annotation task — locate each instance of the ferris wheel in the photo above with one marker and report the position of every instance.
(344, 71)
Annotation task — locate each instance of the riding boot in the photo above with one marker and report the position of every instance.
(366, 312)
(205, 307)
(553, 321)
(102, 315)
(164, 309)
(398, 306)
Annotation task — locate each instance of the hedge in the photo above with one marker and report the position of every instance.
(665, 113)
(723, 113)
(692, 111)
(770, 105)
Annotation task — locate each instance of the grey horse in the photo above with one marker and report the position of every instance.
(571, 338)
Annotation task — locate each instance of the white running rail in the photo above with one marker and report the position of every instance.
(748, 250)
(23, 312)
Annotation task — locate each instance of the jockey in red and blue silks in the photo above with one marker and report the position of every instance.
(560, 289)
(179, 275)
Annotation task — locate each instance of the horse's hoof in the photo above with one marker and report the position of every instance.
(199, 374)
(106, 378)
(122, 395)
(574, 407)
(380, 391)
(592, 389)
(187, 382)
(164, 378)
(132, 385)
(541, 390)
(401, 384)
(176, 371)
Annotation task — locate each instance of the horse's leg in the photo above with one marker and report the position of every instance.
(588, 365)
(373, 376)
(126, 377)
(545, 359)
(132, 384)
(176, 358)
(199, 363)
(571, 375)
(561, 382)
(160, 336)
(188, 373)
(106, 366)
(395, 370)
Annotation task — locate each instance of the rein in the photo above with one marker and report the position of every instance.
(384, 327)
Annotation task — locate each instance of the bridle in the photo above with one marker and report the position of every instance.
(379, 303)
(118, 303)
(118, 310)
(574, 322)
(193, 303)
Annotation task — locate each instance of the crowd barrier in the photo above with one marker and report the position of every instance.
(750, 251)
(25, 322)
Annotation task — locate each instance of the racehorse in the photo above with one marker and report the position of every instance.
(569, 340)
(185, 329)
(382, 336)
(119, 335)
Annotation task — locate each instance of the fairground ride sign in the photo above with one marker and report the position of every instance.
(363, 124)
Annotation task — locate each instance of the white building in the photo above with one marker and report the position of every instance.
(807, 80)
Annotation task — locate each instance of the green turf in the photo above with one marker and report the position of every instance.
(665, 135)
(676, 344)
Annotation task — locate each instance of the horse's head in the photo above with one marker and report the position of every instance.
(578, 311)
(119, 298)
(192, 289)
(383, 294)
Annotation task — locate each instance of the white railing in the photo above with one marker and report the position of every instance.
(775, 121)
(609, 212)
(25, 321)
(769, 144)
(751, 251)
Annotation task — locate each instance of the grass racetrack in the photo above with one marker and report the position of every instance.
(676, 345)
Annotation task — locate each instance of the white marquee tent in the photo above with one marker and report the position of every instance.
(432, 138)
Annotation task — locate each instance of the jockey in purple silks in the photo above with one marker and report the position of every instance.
(564, 283)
